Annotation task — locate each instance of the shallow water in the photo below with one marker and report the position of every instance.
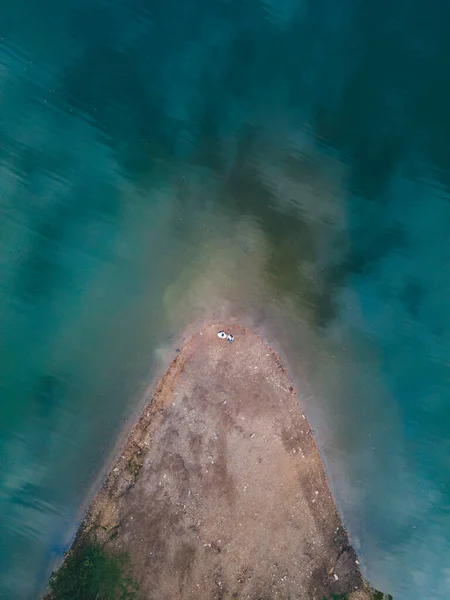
(282, 164)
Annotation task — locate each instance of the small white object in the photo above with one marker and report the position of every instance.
(230, 338)
(335, 577)
(222, 335)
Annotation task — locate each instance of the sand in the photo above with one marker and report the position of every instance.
(220, 491)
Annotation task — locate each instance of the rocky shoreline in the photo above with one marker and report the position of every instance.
(220, 491)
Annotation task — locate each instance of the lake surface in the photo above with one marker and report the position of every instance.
(285, 164)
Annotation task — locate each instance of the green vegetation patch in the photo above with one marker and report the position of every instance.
(91, 573)
(135, 464)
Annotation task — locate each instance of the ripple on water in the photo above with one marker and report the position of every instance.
(282, 166)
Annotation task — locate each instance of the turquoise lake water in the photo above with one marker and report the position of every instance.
(284, 164)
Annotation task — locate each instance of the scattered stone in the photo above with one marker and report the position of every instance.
(198, 446)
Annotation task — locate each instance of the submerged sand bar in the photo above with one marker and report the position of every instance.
(220, 491)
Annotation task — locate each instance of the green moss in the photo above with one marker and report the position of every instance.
(135, 464)
(91, 573)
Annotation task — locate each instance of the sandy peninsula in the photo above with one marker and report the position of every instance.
(220, 492)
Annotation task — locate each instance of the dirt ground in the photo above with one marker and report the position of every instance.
(220, 491)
